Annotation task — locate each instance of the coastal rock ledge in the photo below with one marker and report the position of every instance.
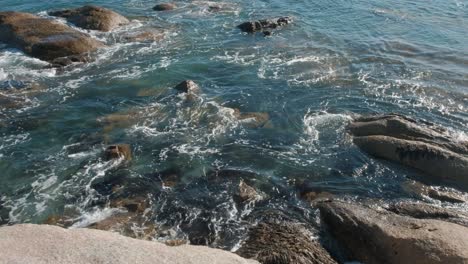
(29, 243)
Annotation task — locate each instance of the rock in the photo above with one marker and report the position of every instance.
(51, 244)
(134, 205)
(43, 38)
(264, 25)
(201, 231)
(442, 164)
(128, 224)
(188, 86)
(165, 7)
(315, 196)
(272, 243)
(169, 178)
(146, 36)
(441, 194)
(118, 151)
(378, 236)
(402, 127)
(247, 193)
(10, 102)
(253, 119)
(428, 211)
(92, 17)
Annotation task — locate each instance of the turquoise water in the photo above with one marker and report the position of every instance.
(336, 60)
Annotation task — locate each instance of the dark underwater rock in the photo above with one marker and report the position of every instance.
(165, 7)
(43, 38)
(264, 25)
(92, 17)
(378, 236)
(286, 243)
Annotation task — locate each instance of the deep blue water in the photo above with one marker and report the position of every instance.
(336, 60)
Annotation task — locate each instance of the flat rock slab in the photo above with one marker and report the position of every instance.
(43, 38)
(92, 17)
(379, 236)
(51, 244)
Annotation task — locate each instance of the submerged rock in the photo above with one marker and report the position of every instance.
(165, 7)
(425, 148)
(378, 236)
(188, 86)
(253, 119)
(272, 243)
(45, 244)
(43, 38)
(264, 25)
(146, 36)
(118, 151)
(92, 17)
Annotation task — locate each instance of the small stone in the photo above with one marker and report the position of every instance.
(119, 151)
(165, 7)
(247, 193)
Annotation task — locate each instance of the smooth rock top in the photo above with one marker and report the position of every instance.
(51, 244)
(43, 38)
(165, 7)
(92, 17)
(379, 236)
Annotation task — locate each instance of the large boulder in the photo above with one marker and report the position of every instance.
(264, 24)
(43, 38)
(272, 243)
(421, 146)
(378, 236)
(52, 244)
(92, 17)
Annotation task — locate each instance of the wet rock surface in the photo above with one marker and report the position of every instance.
(92, 17)
(43, 38)
(165, 7)
(118, 151)
(370, 235)
(188, 86)
(443, 194)
(285, 243)
(264, 25)
(428, 211)
(425, 148)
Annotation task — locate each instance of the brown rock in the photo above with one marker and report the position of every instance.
(247, 193)
(438, 193)
(118, 151)
(440, 163)
(43, 38)
(92, 17)
(146, 36)
(271, 243)
(372, 236)
(165, 7)
(428, 211)
(188, 86)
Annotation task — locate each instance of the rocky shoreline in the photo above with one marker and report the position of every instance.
(368, 231)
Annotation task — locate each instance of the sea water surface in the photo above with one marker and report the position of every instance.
(338, 59)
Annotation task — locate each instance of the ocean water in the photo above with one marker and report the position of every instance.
(337, 60)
